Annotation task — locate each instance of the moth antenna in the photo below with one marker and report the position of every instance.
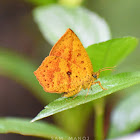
(107, 68)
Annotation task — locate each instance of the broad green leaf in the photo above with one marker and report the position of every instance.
(105, 54)
(21, 69)
(115, 50)
(110, 53)
(24, 127)
(126, 116)
(112, 83)
(54, 20)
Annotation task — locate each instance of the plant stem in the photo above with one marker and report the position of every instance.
(99, 119)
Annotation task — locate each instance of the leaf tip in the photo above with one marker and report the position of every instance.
(33, 120)
(46, 107)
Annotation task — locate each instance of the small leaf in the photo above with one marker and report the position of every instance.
(126, 116)
(111, 53)
(112, 83)
(24, 127)
(54, 20)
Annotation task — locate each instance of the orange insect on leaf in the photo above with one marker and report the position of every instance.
(68, 68)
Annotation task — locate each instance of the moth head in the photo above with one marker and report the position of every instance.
(96, 75)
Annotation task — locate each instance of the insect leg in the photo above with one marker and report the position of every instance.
(98, 82)
(88, 88)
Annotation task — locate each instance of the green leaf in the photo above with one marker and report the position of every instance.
(24, 127)
(112, 83)
(42, 2)
(111, 53)
(126, 116)
(21, 69)
(54, 20)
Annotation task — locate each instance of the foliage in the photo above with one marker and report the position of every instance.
(42, 2)
(112, 83)
(91, 29)
(128, 110)
(24, 127)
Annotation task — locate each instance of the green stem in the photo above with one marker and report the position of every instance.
(99, 119)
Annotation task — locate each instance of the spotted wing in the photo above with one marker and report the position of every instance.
(71, 49)
(56, 75)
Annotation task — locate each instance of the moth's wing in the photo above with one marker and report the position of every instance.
(57, 75)
(70, 48)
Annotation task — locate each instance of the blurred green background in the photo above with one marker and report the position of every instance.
(19, 32)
